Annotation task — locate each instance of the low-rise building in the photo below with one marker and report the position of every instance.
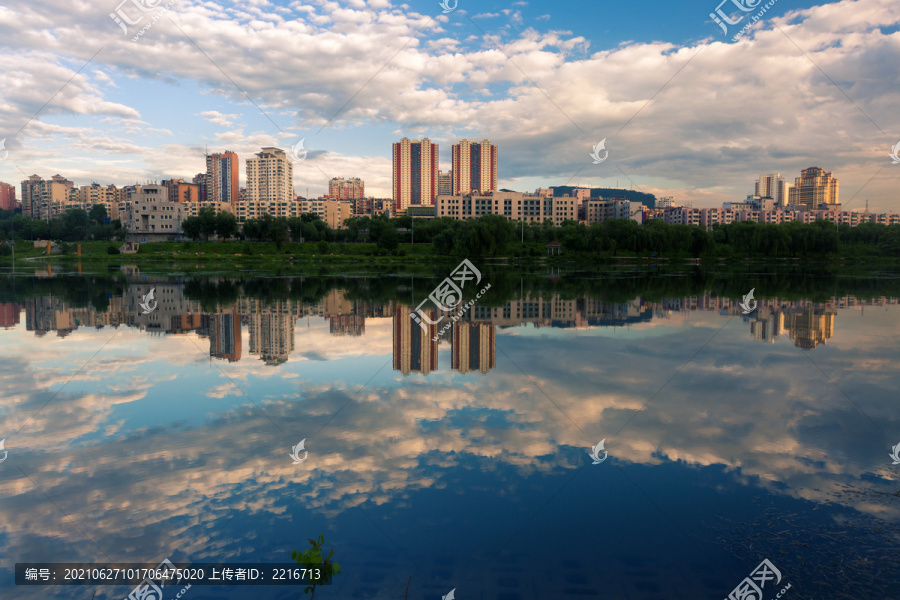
(515, 206)
(151, 217)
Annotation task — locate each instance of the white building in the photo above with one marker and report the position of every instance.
(270, 187)
(150, 217)
(772, 185)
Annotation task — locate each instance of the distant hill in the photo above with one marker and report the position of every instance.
(648, 200)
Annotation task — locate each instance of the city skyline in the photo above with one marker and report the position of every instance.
(573, 88)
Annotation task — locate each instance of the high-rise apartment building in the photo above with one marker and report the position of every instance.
(774, 186)
(222, 177)
(346, 189)
(270, 181)
(7, 196)
(815, 187)
(474, 167)
(445, 183)
(415, 173)
(95, 193)
(201, 180)
(42, 199)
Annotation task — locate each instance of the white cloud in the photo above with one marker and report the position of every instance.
(703, 130)
(214, 116)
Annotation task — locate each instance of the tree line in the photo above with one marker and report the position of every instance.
(494, 235)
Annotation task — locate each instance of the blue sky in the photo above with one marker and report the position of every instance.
(685, 110)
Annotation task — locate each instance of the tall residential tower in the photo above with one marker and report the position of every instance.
(270, 177)
(772, 185)
(815, 187)
(222, 177)
(415, 173)
(474, 168)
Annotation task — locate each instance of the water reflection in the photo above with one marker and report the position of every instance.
(165, 442)
(271, 324)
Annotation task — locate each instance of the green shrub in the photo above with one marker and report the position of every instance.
(112, 250)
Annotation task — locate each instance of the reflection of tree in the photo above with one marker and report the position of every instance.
(383, 286)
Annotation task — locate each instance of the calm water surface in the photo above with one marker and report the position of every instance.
(461, 463)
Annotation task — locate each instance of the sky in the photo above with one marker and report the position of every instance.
(684, 109)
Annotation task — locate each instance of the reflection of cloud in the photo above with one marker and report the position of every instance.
(761, 411)
(221, 391)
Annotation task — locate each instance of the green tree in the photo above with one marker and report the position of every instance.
(226, 225)
(278, 232)
(191, 227)
(251, 229)
(207, 218)
(98, 214)
(389, 239)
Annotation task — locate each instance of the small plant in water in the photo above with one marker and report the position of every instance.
(315, 556)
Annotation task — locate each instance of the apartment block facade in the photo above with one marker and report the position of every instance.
(415, 173)
(222, 177)
(346, 189)
(474, 168)
(515, 206)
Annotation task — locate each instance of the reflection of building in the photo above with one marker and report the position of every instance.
(598, 313)
(810, 326)
(414, 350)
(224, 331)
(767, 325)
(271, 328)
(552, 311)
(9, 314)
(354, 325)
(474, 347)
